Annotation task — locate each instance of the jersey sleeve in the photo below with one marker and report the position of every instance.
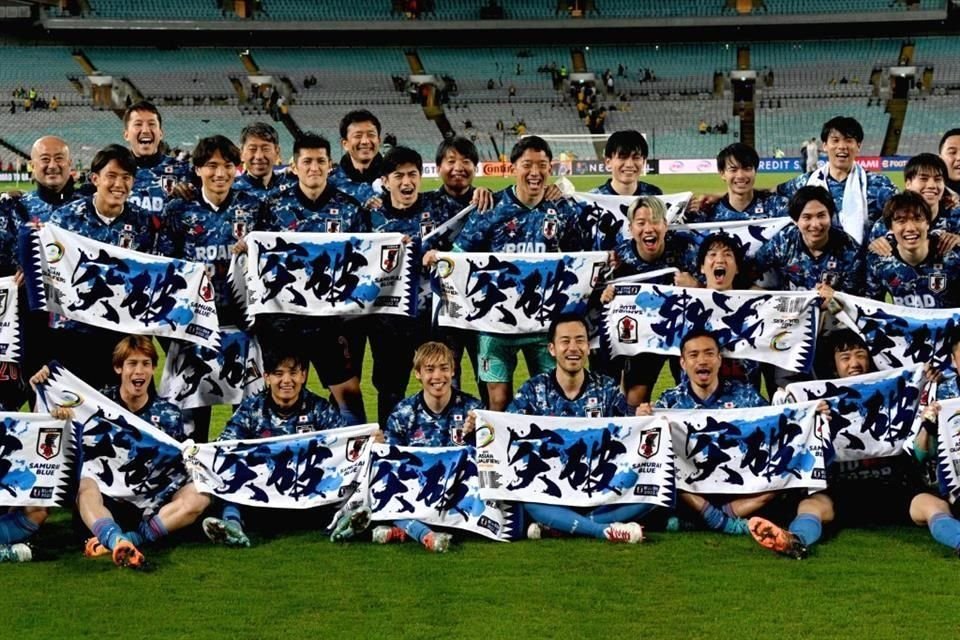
(239, 426)
(395, 431)
(873, 284)
(790, 187)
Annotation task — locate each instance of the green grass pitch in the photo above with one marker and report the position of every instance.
(878, 583)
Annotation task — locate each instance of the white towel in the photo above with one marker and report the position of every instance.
(853, 213)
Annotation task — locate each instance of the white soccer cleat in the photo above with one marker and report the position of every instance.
(629, 532)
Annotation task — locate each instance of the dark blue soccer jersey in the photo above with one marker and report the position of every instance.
(134, 228)
(333, 212)
(786, 256)
(679, 252)
(357, 184)
(879, 190)
(280, 182)
(159, 412)
(643, 189)
(932, 284)
(542, 395)
(731, 394)
(763, 205)
(155, 179)
(259, 417)
(413, 424)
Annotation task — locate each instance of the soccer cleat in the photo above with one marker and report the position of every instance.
(783, 541)
(629, 532)
(228, 532)
(735, 527)
(437, 542)
(93, 549)
(350, 524)
(18, 552)
(385, 534)
(536, 531)
(125, 554)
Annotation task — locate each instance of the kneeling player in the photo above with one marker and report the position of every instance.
(434, 417)
(283, 408)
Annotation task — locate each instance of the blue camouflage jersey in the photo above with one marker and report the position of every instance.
(413, 424)
(449, 205)
(643, 189)
(333, 212)
(134, 228)
(879, 190)
(33, 206)
(841, 265)
(947, 388)
(357, 184)
(947, 220)
(541, 395)
(158, 411)
(421, 218)
(197, 232)
(513, 227)
(259, 417)
(280, 182)
(156, 176)
(679, 252)
(731, 394)
(763, 205)
(925, 286)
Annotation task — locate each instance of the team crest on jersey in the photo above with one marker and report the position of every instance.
(126, 236)
(426, 223)
(355, 448)
(829, 277)
(511, 228)
(241, 224)
(333, 226)
(550, 224)
(206, 289)
(167, 183)
(48, 442)
(457, 436)
(389, 257)
(938, 280)
(649, 443)
(627, 330)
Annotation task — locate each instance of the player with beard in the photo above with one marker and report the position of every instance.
(625, 157)
(571, 390)
(157, 174)
(874, 490)
(134, 360)
(737, 164)
(918, 273)
(522, 222)
(703, 388)
(284, 407)
(434, 417)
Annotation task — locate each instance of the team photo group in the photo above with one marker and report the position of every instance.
(777, 364)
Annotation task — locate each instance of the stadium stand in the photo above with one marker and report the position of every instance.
(86, 130)
(49, 71)
(796, 119)
(928, 118)
(171, 74)
(167, 10)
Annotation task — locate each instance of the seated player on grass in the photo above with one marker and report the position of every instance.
(704, 388)
(434, 417)
(283, 408)
(570, 390)
(16, 527)
(134, 361)
(876, 490)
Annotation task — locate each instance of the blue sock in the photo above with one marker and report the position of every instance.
(945, 530)
(564, 519)
(713, 517)
(728, 510)
(807, 527)
(15, 526)
(414, 528)
(134, 537)
(152, 530)
(620, 513)
(232, 512)
(108, 532)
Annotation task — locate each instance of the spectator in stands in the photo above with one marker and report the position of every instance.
(950, 154)
(703, 127)
(54, 103)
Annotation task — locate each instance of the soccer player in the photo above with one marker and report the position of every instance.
(260, 154)
(625, 157)
(205, 229)
(859, 195)
(284, 407)
(918, 273)
(811, 253)
(106, 216)
(157, 174)
(523, 221)
(571, 390)
(925, 174)
(878, 489)
(703, 388)
(134, 360)
(737, 164)
(950, 154)
(359, 169)
(434, 417)
(457, 160)
(653, 247)
(314, 205)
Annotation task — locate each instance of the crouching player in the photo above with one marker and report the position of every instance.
(283, 408)
(434, 417)
(134, 361)
(570, 390)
